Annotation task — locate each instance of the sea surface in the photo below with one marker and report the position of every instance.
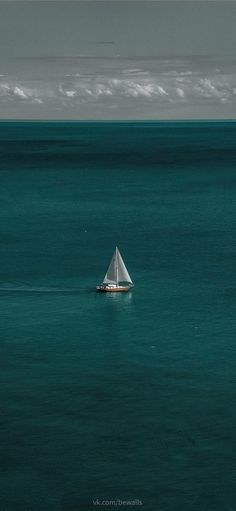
(118, 401)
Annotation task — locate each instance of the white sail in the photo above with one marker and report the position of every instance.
(110, 277)
(123, 275)
(117, 271)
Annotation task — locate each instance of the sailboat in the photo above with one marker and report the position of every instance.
(117, 277)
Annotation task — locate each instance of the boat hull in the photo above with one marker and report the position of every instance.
(108, 289)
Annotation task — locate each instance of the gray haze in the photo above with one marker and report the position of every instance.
(117, 59)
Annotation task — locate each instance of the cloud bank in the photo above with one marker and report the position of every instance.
(158, 88)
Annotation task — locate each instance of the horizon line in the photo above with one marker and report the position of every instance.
(115, 120)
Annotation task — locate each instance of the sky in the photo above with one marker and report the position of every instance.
(117, 59)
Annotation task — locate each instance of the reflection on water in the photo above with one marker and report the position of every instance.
(119, 302)
(120, 297)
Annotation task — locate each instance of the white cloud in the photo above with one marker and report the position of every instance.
(70, 93)
(38, 101)
(73, 75)
(161, 91)
(175, 73)
(180, 92)
(15, 92)
(20, 93)
(4, 89)
(103, 90)
(132, 70)
(208, 87)
(135, 89)
(88, 91)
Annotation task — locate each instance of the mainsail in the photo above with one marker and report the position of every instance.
(117, 271)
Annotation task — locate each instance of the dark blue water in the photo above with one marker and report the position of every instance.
(128, 397)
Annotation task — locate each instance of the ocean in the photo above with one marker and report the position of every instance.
(118, 401)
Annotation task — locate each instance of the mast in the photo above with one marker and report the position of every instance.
(117, 281)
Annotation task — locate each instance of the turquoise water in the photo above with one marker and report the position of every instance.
(128, 397)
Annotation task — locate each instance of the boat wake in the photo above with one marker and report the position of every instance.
(19, 288)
